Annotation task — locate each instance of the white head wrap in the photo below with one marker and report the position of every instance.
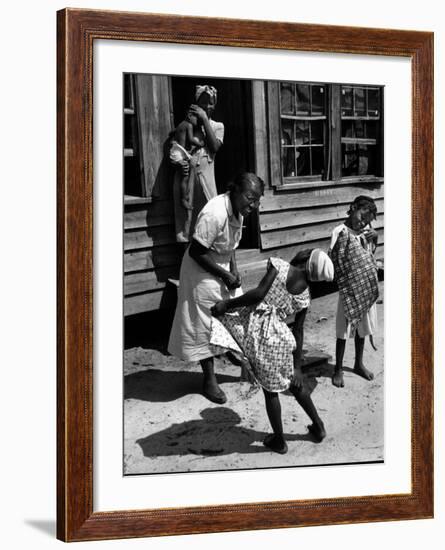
(200, 89)
(319, 266)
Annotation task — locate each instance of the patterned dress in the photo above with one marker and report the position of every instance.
(262, 334)
(356, 276)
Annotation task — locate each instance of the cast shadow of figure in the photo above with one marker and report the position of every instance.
(160, 386)
(218, 433)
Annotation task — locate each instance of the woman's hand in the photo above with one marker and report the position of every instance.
(237, 276)
(218, 309)
(198, 112)
(231, 281)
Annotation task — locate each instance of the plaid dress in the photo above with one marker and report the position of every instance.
(262, 334)
(356, 276)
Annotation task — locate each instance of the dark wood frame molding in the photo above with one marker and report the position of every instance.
(77, 30)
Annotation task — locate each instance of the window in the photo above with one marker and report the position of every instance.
(303, 129)
(320, 131)
(360, 121)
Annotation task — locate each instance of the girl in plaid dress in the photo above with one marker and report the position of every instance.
(257, 325)
(352, 246)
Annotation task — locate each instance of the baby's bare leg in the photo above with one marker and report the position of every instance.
(337, 378)
(359, 367)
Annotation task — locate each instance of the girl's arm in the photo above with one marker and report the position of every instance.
(203, 257)
(250, 298)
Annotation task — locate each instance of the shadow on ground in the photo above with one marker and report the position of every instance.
(218, 433)
(157, 385)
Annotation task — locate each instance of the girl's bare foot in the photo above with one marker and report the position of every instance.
(361, 370)
(317, 431)
(275, 443)
(337, 378)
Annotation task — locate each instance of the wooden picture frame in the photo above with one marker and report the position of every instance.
(77, 31)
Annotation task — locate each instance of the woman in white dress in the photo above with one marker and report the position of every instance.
(209, 274)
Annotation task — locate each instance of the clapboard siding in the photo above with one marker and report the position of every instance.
(147, 238)
(317, 197)
(292, 218)
(160, 256)
(152, 215)
(285, 237)
(150, 301)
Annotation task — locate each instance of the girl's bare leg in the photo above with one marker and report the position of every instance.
(337, 378)
(304, 399)
(359, 367)
(275, 442)
(210, 387)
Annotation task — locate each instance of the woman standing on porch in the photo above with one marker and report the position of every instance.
(201, 167)
(209, 275)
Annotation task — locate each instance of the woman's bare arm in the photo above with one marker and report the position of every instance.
(204, 258)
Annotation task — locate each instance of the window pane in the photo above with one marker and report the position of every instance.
(288, 161)
(287, 98)
(371, 129)
(359, 128)
(303, 105)
(359, 98)
(346, 101)
(317, 160)
(373, 102)
(303, 161)
(317, 131)
(358, 160)
(302, 132)
(347, 128)
(317, 100)
(287, 132)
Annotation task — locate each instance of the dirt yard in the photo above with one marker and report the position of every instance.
(170, 427)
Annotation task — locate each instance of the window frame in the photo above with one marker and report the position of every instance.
(332, 144)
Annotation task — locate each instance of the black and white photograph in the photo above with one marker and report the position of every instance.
(253, 283)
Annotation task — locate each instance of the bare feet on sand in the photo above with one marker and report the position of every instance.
(317, 431)
(275, 443)
(337, 378)
(361, 370)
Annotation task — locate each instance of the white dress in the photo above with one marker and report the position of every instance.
(219, 230)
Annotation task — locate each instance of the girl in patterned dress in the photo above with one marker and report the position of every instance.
(256, 323)
(353, 244)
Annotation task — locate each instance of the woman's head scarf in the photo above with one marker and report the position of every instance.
(204, 88)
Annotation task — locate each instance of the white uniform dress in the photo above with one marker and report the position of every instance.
(219, 230)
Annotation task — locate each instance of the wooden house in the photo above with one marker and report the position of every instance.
(316, 145)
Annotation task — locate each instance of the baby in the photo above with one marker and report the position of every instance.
(187, 137)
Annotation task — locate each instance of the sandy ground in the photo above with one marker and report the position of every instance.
(170, 427)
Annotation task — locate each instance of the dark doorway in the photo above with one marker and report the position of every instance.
(234, 110)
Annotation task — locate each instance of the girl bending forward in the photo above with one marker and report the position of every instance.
(256, 323)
